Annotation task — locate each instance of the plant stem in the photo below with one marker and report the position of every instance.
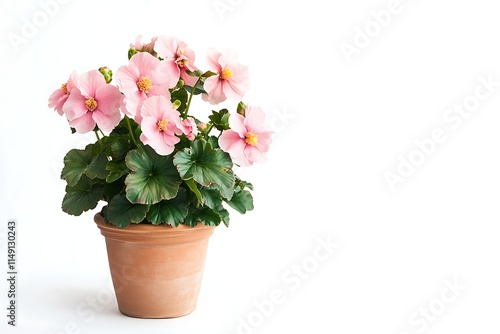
(130, 130)
(98, 139)
(191, 96)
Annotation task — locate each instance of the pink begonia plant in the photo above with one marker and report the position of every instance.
(247, 141)
(158, 163)
(231, 81)
(93, 102)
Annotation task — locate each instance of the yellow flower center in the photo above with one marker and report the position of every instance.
(226, 74)
(91, 104)
(64, 88)
(251, 139)
(144, 84)
(162, 125)
(182, 62)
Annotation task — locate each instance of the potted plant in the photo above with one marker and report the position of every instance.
(167, 178)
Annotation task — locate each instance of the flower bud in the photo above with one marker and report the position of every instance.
(132, 52)
(107, 73)
(202, 126)
(179, 85)
(176, 104)
(241, 109)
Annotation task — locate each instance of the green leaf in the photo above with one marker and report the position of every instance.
(220, 119)
(171, 212)
(243, 184)
(75, 164)
(213, 141)
(206, 165)
(83, 196)
(116, 170)
(121, 212)
(203, 215)
(241, 201)
(194, 189)
(153, 177)
(97, 167)
(122, 127)
(114, 188)
(120, 147)
(208, 74)
(211, 197)
(224, 215)
(182, 96)
(199, 89)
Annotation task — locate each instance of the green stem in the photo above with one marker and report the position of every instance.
(191, 96)
(102, 133)
(98, 139)
(130, 130)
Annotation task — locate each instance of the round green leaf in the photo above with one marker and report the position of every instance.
(241, 201)
(153, 177)
(171, 212)
(83, 196)
(205, 165)
(121, 212)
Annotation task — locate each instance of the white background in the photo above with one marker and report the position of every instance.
(339, 127)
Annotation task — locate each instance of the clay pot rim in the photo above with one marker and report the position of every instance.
(152, 233)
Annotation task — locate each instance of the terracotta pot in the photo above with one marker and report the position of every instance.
(157, 270)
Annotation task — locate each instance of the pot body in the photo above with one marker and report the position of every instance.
(157, 270)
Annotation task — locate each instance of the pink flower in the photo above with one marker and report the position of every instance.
(93, 102)
(188, 127)
(179, 57)
(143, 77)
(231, 81)
(247, 141)
(141, 47)
(160, 124)
(59, 96)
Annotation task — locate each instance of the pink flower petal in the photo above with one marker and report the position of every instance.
(89, 82)
(232, 143)
(84, 123)
(228, 58)
(237, 124)
(254, 119)
(57, 100)
(214, 87)
(253, 154)
(75, 105)
(108, 99)
(106, 122)
(213, 60)
(166, 46)
(264, 141)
